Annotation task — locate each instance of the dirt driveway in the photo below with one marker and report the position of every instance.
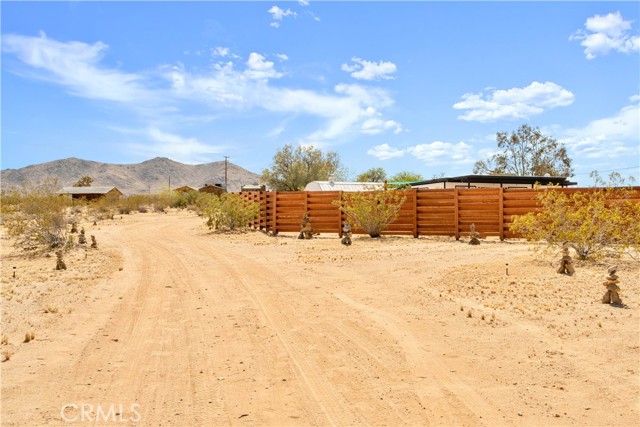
(170, 325)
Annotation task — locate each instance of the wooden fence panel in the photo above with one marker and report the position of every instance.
(425, 212)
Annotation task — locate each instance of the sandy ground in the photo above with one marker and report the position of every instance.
(168, 324)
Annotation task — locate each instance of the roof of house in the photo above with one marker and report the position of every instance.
(497, 179)
(87, 190)
(343, 186)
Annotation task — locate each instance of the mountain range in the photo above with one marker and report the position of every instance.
(147, 177)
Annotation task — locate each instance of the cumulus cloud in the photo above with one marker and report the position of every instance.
(515, 103)
(439, 152)
(368, 70)
(610, 137)
(606, 33)
(385, 152)
(278, 15)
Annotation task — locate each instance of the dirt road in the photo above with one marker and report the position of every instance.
(189, 328)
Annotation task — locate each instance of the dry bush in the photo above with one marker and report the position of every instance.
(600, 222)
(35, 216)
(229, 212)
(372, 211)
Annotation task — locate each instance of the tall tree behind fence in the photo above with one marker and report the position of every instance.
(425, 212)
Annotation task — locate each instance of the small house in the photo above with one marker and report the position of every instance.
(184, 189)
(90, 193)
(216, 189)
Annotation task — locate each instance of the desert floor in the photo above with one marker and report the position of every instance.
(169, 324)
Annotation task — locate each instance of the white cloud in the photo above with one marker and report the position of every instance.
(282, 57)
(385, 152)
(260, 68)
(439, 152)
(367, 70)
(229, 86)
(176, 147)
(220, 51)
(278, 15)
(303, 2)
(605, 33)
(610, 137)
(515, 103)
(75, 65)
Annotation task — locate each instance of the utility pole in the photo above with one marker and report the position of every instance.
(225, 173)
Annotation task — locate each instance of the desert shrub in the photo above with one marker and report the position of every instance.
(229, 211)
(372, 211)
(134, 202)
(186, 199)
(600, 222)
(35, 216)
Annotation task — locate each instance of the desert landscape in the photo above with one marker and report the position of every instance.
(166, 323)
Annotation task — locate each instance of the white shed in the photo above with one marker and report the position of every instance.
(343, 186)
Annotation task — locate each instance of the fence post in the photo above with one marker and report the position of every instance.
(456, 214)
(415, 213)
(501, 213)
(340, 214)
(274, 211)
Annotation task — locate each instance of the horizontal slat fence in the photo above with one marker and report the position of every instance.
(425, 212)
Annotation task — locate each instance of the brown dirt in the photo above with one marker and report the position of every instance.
(167, 324)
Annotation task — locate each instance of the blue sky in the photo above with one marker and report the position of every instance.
(416, 86)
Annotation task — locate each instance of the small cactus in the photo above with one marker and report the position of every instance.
(94, 244)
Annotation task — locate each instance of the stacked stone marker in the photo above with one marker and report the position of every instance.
(474, 235)
(346, 234)
(612, 296)
(306, 229)
(566, 263)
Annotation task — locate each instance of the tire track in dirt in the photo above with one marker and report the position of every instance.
(451, 396)
(154, 338)
(328, 407)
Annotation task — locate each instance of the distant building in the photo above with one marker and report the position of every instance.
(492, 181)
(253, 187)
(90, 193)
(216, 189)
(184, 189)
(343, 186)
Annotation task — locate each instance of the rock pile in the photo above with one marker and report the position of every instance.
(346, 234)
(474, 235)
(566, 262)
(306, 229)
(612, 296)
(60, 265)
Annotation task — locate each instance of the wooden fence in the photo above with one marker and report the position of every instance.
(425, 212)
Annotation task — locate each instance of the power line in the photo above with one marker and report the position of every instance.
(610, 170)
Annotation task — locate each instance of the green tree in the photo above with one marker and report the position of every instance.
(372, 211)
(372, 175)
(406, 176)
(526, 152)
(293, 168)
(597, 222)
(85, 181)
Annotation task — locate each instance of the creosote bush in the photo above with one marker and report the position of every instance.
(600, 222)
(372, 211)
(229, 211)
(36, 216)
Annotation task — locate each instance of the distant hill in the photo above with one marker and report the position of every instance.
(151, 175)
